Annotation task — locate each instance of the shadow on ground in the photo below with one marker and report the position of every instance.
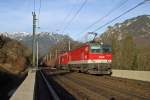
(8, 84)
(41, 90)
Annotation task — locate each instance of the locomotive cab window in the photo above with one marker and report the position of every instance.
(96, 49)
(100, 49)
(107, 50)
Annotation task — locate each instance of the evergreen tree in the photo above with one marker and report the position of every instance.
(128, 57)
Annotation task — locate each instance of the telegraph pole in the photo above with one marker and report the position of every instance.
(33, 39)
(50, 56)
(69, 44)
(56, 53)
(37, 52)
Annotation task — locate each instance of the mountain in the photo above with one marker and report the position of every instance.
(130, 42)
(46, 39)
(138, 27)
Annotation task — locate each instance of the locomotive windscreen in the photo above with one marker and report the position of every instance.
(100, 49)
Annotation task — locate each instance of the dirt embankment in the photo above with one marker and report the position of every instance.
(14, 57)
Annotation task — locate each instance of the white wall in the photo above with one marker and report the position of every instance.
(137, 75)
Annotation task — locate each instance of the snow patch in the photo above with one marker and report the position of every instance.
(148, 17)
(134, 20)
(129, 23)
(148, 24)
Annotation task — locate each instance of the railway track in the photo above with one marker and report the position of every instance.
(41, 90)
(61, 85)
(90, 87)
(106, 89)
(47, 89)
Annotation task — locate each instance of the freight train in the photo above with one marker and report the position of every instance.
(92, 58)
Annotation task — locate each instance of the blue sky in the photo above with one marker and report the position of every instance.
(16, 15)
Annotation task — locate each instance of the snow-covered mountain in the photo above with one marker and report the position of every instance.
(46, 39)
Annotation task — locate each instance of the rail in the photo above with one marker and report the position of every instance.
(54, 95)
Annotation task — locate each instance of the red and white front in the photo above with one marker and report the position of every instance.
(93, 59)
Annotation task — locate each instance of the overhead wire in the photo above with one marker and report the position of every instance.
(129, 10)
(116, 7)
(39, 12)
(66, 17)
(24, 3)
(75, 15)
(120, 4)
(34, 5)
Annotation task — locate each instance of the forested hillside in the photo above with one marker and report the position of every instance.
(14, 57)
(130, 42)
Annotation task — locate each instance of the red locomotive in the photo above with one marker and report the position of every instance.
(93, 58)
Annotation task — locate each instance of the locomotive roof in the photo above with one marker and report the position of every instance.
(86, 44)
(91, 43)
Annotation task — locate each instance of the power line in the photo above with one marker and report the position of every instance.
(39, 11)
(34, 5)
(78, 11)
(116, 7)
(139, 4)
(67, 16)
(40, 4)
(107, 14)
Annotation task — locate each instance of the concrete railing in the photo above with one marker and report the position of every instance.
(26, 90)
(130, 74)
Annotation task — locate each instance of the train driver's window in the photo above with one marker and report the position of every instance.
(96, 49)
(107, 50)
